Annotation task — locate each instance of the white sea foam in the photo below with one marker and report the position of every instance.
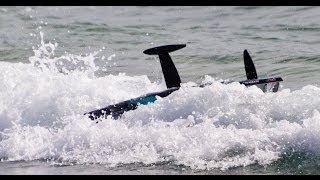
(218, 126)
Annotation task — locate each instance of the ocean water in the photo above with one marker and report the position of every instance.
(57, 63)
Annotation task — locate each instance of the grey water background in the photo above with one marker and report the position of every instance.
(283, 41)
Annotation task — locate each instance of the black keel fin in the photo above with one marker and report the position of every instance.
(169, 70)
(249, 66)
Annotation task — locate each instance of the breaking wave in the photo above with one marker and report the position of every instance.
(220, 126)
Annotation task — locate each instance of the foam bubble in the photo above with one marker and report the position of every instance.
(218, 126)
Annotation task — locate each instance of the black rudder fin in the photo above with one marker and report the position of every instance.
(169, 70)
(249, 66)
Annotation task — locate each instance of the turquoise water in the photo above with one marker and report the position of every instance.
(57, 63)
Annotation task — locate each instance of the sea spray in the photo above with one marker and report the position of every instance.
(218, 126)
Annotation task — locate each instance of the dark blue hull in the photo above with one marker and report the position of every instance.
(173, 82)
(116, 110)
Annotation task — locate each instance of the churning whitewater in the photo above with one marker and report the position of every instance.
(218, 126)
